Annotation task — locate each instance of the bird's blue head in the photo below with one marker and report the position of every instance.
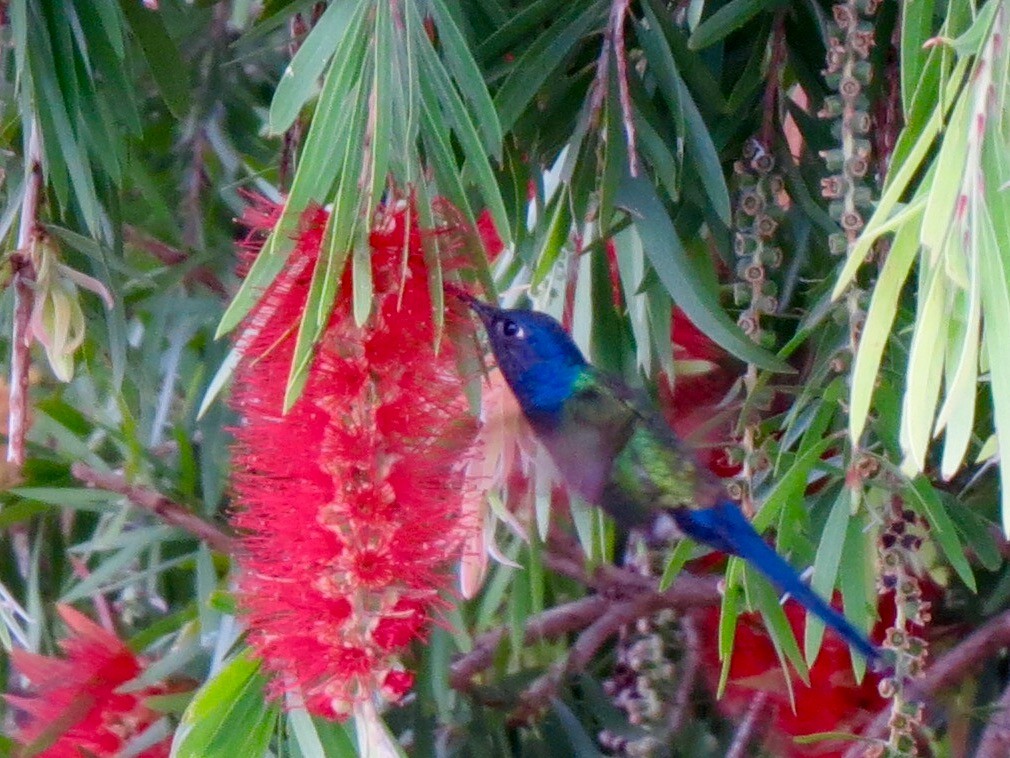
(539, 360)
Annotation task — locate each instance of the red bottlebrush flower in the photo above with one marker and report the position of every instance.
(834, 701)
(350, 504)
(75, 706)
(488, 232)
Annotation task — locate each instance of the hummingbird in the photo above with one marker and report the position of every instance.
(620, 455)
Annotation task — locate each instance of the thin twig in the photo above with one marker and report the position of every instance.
(613, 38)
(597, 616)
(547, 625)
(995, 742)
(746, 733)
(774, 84)
(690, 666)
(192, 199)
(950, 668)
(599, 91)
(173, 256)
(167, 510)
(617, 13)
(97, 597)
(24, 301)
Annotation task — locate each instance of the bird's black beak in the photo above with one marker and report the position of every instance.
(483, 310)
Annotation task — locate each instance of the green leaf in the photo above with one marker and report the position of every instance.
(975, 531)
(826, 563)
(994, 270)
(330, 133)
(302, 727)
(857, 581)
(879, 320)
(897, 182)
(916, 28)
(170, 72)
(337, 246)
(435, 75)
(229, 715)
(924, 499)
(553, 236)
(924, 371)
(518, 29)
(680, 278)
(767, 602)
(301, 77)
(726, 20)
(791, 485)
(460, 62)
(695, 132)
(729, 614)
(946, 185)
(680, 555)
(542, 58)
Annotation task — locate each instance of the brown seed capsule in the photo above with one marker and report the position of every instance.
(766, 225)
(763, 163)
(851, 221)
(844, 15)
(849, 87)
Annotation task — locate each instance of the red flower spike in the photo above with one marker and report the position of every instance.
(350, 504)
(74, 706)
(488, 232)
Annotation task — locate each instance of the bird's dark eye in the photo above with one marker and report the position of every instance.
(510, 329)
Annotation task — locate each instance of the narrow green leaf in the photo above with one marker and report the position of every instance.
(729, 614)
(826, 563)
(957, 413)
(916, 28)
(167, 66)
(924, 371)
(791, 484)
(519, 28)
(879, 320)
(766, 600)
(924, 499)
(696, 133)
(301, 77)
(460, 62)
(894, 188)
(680, 555)
(553, 237)
(857, 581)
(726, 20)
(112, 23)
(384, 93)
(337, 247)
(994, 269)
(317, 169)
(431, 69)
(542, 58)
(679, 275)
(229, 715)
(946, 185)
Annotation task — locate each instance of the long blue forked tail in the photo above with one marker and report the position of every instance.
(724, 527)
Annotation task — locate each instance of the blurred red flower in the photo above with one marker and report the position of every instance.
(350, 503)
(834, 701)
(75, 708)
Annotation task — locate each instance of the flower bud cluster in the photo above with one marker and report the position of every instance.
(760, 210)
(645, 679)
(848, 72)
(898, 548)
